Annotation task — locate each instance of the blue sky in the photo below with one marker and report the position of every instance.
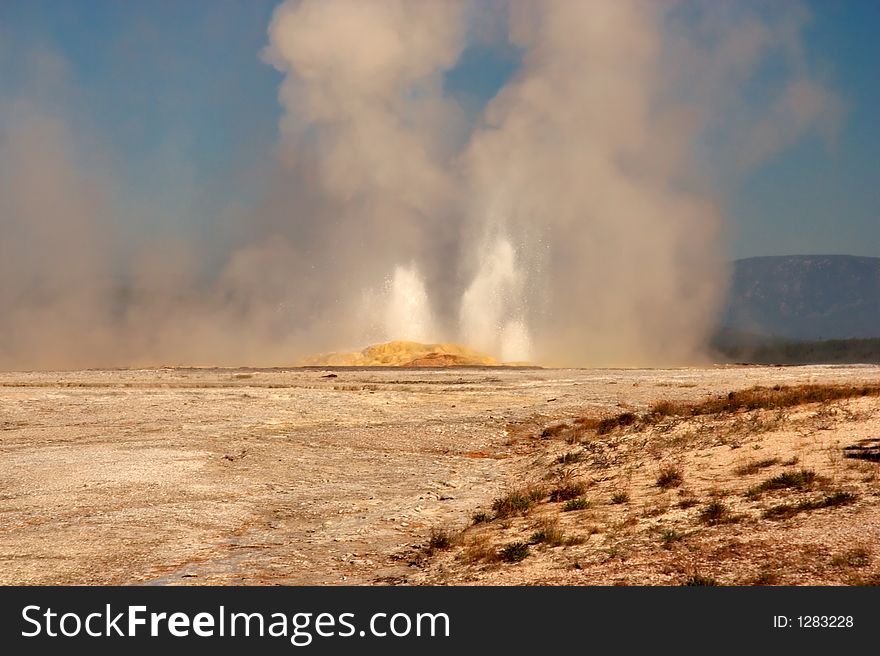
(809, 199)
(178, 93)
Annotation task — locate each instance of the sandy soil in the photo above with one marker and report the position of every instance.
(217, 476)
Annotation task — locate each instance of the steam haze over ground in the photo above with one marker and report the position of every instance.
(572, 219)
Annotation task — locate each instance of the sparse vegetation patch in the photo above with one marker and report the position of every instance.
(670, 476)
(684, 461)
(754, 466)
(514, 552)
(800, 480)
(580, 503)
(715, 513)
(700, 580)
(855, 557)
(786, 510)
(516, 502)
(481, 517)
(439, 540)
(547, 532)
(570, 458)
(777, 397)
(671, 536)
(567, 491)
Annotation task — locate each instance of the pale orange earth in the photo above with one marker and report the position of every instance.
(330, 476)
(403, 354)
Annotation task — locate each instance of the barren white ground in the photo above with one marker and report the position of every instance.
(214, 476)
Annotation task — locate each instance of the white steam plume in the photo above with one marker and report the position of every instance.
(365, 107)
(407, 307)
(491, 307)
(578, 151)
(573, 224)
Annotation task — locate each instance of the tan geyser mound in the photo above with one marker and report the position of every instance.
(403, 354)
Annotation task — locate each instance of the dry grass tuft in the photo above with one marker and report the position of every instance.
(800, 480)
(478, 549)
(567, 490)
(778, 397)
(548, 532)
(766, 577)
(581, 503)
(671, 536)
(786, 510)
(754, 466)
(480, 517)
(517, 502)
(570, 458)
(855, 557)
(670, 476)
(715, 513)
(765, 398)
(700, 580)
(440, 539)
(514, 552)
(605, 425)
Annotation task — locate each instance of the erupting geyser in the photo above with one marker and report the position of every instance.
(565, 220)
(491, 307)
(407, 309)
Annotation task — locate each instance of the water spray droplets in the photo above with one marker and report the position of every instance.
(491, 314)
(408, 313)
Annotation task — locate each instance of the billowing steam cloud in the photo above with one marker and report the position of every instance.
(365, 111)
(573, 223)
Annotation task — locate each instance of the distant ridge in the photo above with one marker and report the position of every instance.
(804, 297)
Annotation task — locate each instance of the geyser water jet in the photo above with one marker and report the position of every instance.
(491, 315)
(566, 221)
(407, 307)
